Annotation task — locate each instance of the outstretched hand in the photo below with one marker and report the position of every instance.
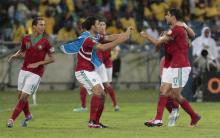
(129, 29)
(144, 34)
(124, 36)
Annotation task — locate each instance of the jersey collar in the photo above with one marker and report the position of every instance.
(37, 39)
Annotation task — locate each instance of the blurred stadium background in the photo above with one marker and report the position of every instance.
(139, 59)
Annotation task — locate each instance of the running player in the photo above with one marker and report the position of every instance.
(34, 49)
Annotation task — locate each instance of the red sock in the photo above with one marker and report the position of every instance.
(19, 107)
(95, 102)
(160, 107)
(186, 106)
(99, 112)
(175, 104)
(169, 105)
(83, 93)
(26, 109)
(111, 92)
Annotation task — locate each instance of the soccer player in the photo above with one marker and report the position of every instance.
(178, 72)
(106, 59)
(172, 106)
(34, 49)
(105, 72)
(85, 68)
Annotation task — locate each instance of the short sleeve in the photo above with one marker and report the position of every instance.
(23, 45)
(173, 33)
(50, 48)
(90, 43)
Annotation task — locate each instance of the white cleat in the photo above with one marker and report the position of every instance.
(116, 108)
(174, 115)
(80, 109)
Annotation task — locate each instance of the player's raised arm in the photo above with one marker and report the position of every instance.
(189, 30)
(122, 37)
(157, 42)
(113, 37)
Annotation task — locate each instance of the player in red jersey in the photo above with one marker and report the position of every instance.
(34, 49)
(179, 68)
(172, 106)
(85, 70)
(105, 57)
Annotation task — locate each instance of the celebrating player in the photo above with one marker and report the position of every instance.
(176, 75)
(105, 72)
(34, 49)
(85, 69)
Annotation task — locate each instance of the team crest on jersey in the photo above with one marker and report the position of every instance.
(40, 47)
(28, 44)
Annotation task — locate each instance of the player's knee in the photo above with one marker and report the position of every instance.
(106, 85)
(179, 98)
(24, 97)
(163, 91)
(98, 90)
(169, 94)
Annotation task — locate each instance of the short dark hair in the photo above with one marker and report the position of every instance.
(36, 19)
(176, 12)
(89, 22)
(101, 19)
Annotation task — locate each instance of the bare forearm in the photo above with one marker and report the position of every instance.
(46, 61)
(19, 53)
(111, 38)
(108, 46)
(190, 32)
(153, 40)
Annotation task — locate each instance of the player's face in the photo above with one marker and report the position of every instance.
(168, 18)
(96, 26)
(102, 27)
(40, 27)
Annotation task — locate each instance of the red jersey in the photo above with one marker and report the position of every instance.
(107, 58)
(35, 50)
(85, 54)
(104, 56)
(100, 53)
(179, 47)
(168, 56)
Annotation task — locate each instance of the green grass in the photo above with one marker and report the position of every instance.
(53, 118)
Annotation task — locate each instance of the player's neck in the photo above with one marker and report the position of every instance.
(92, 33)
(36, 34)
(174, 23)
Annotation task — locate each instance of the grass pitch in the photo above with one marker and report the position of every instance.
(54, 118)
